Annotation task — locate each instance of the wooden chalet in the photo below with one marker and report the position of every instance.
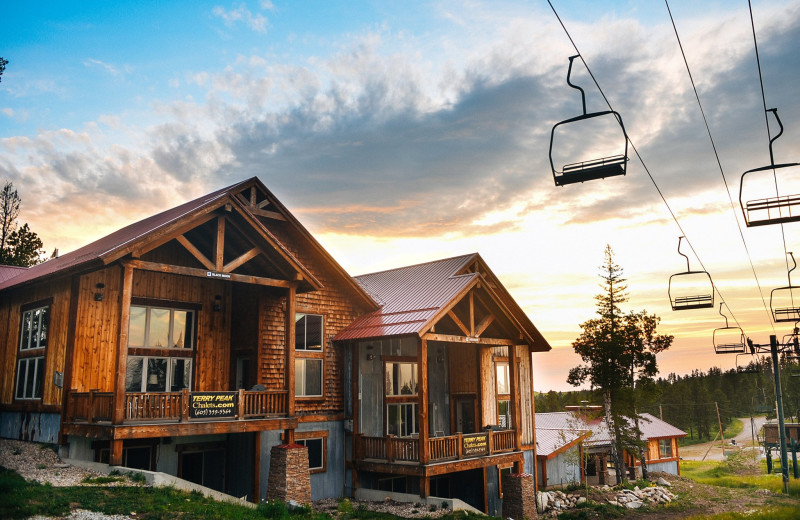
(195, 341)
(443, 401)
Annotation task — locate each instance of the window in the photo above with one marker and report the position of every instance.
(30, 378)
(504, 413)
(160, 349)
(400, 389)
(308, 362)
(307, 377)
(665, 448)
(401, 419)
(401, 379)
(503, 392)
(308, 332)
(158, 374)
(154, 327)
(316, 453)
(34, 327)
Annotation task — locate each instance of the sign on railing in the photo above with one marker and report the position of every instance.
(207, 405)
(475, 445)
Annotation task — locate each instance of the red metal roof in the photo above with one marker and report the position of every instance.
(412, 297)
(652, 427)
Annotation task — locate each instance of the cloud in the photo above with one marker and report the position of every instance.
(256, 22)
(107, 67)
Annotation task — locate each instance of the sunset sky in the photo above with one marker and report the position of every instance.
(403, 132)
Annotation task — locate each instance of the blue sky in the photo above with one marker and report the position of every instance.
(401, 132)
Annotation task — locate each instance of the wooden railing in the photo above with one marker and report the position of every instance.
(451, 447)
(95, 406)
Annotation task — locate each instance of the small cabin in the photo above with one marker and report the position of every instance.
(197, 341)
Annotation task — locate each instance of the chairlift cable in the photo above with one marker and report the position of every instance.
(721, 171)
(636, 151)
(766, 123)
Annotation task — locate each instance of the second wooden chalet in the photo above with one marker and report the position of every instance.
(196, 341)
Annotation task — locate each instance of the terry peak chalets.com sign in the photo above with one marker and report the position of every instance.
(207, 405)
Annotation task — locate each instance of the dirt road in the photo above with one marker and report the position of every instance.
(713, 450)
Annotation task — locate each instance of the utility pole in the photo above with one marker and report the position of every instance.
(721, 435)
(773, 347)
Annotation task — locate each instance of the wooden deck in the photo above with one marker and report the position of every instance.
(156, 414)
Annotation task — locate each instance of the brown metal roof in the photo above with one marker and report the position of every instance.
(8, 272)
(122, 241)
(413, 297)
(94, 252)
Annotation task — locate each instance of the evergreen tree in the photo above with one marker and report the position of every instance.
(18, 244)
(619, 352)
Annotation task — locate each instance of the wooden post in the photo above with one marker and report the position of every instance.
(90, 407)
(424, 486)
(513, 377)
(257, 468)
(184, 405)
(241, 404)
(389, 448)
(121, 366)
(460, 445)
(115, 455)
(422, 382)
(290, 340)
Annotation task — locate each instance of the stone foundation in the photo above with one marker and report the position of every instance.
(289, 478)
(519, 497)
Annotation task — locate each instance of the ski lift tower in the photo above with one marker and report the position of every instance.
(774, 348)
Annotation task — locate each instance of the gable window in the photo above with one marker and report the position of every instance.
(665, 448)
(309, 332)
(33, 336)
(160, 349)
(503, 392)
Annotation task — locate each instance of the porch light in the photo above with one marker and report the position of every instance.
(98, 295)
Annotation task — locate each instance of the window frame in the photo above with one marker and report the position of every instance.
(172, 307)
(661, 454)
(304, 356)
(169, 354)
(414, 430)
(26, 379)
(499, 363)
(322, 435)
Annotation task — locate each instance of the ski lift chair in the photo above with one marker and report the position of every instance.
(692, 289)
(784, 302)
(591, 169)
(729, 340)
(770, 210)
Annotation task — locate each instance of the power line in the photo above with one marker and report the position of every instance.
(638, 155)
(719, 164)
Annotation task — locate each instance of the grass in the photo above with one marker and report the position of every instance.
(22, 499)
(733, 473)
(773, 513)
(733, 429)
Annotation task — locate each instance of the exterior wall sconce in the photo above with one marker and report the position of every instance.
(98, 295)
(217, 303)
(370, 357)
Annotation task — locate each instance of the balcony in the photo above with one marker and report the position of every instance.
(175, 413)
(400, 454)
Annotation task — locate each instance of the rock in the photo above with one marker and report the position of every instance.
(581, 500)
(542, 500)
(633, 504)
(662, 482)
